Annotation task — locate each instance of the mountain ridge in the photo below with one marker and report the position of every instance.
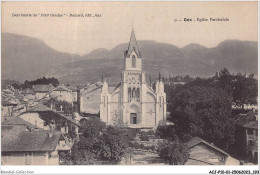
(33, 55)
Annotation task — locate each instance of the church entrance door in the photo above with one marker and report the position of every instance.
(133, 118)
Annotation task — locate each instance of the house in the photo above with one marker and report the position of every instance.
(42, 89)
(12, 103)
(48, 119)
(7, 108)
(204, 153)
(246, 135)
(17, 121)
(28, 94)
(74, 92)
(90, 98)
(62, 93)
(133, 103)
(22, 145)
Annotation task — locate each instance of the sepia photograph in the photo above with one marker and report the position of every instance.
(130, 83)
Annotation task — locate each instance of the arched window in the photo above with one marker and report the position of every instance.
(129, 94)
(138, 93)
(134, 93)
(133, 61)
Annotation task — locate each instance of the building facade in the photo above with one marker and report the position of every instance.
(246, 136)
(133, 103)
(62, 93)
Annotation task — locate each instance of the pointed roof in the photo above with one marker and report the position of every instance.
(133, 45)
(196, 140)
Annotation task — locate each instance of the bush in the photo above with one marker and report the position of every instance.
(144, 136)
(174, 153)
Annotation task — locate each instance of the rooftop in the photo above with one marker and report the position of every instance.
(133, 46)
(61, 88)
(16, 121)
(196, 140)
(42, 88)
(42, 108)
(29, 140)
(248, 120)
(27, 91)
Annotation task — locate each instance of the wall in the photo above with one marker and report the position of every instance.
(63, 95)
(128, 62)
(90, 102)
(35, 158)
(34, 119)
(75, 96)
(40, 95)
(206, 155)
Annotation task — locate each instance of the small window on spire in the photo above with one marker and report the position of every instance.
(133, 61)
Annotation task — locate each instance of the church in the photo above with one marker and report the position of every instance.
(133, 103)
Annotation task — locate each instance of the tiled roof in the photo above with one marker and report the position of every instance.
(42, 88)
(61, 88)
(17, 121)
(247, 120)
(8, 102)
(253, 124)
(27, 91)
(73, 88)
(42, 108)
(196, 140)
(39, 108)
(30, 141)
(91, 88)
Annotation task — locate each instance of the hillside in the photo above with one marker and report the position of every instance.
(193, 60)
(30, 58)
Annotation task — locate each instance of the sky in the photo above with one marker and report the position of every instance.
(150, 20)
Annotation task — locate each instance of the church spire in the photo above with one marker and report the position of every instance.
(159, 77)
(133, 45)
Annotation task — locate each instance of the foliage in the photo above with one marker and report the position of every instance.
(65, 159)
(144, 136)
(101, 143)
(43, 80)
(174, 153)
(81, 155)
(113, 144)
(92, 127)
(137, 145)
(57, 105)
(203, 107)
(204, 112)
(244, 91)
(167, 132)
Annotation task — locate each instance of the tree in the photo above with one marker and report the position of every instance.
(59, 105)
(167, 132)
(43, 80)
(100, 143)
(225, 79)
(144, 136)
(204, 112)
(245, 91)
(174, 153)
(112, 145)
